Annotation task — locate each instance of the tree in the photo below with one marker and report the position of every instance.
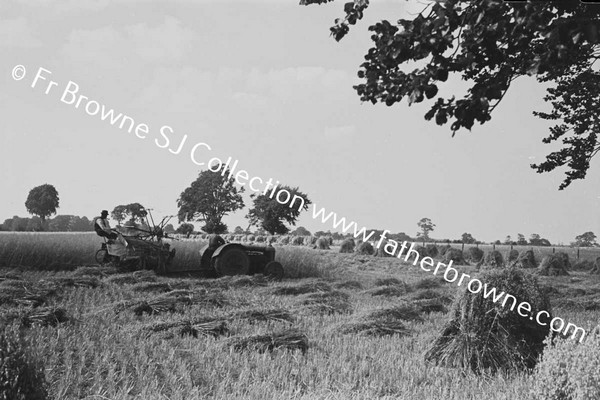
(521, 241)
(34, 224)
(270, 214)
(467, 238)
(587, 239)
(17, 224)
(60, 223)
(81, 224)
(536, 240)
(208, 199)
(426, 226)
(508, 240)
(490, 43)
(119, 214)
(301, 231)
(135, 212)
(400, 237)
(185, 229)
(42, 201)
(169, 228)
(238, 230)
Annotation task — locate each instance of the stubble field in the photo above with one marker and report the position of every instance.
(339, 326)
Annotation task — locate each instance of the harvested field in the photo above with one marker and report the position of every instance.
(340, 331)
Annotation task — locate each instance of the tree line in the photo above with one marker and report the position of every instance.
(213, 195)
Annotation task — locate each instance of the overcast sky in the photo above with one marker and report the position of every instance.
(264, 83)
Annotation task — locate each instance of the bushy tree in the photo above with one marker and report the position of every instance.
(400, 237)
(521, 241)
(536, 240)
(270, 214)
(301, 231)
(42, 201)
(134, 212)
(467, 238)
(208, 199)
(490, 43)
(238, 230)
(426, 227)
(185, 229)
(169, 228)
(587, 239)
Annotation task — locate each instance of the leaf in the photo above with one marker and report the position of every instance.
(431, 91)
(441, 75)
(441, 118)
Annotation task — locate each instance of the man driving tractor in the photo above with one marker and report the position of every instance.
(102, 227)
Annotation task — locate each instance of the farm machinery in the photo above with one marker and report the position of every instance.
(138, 248)
(147, 249)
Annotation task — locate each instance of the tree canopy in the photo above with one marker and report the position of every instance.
(467, 238)
(269, 214)
(426, 226)
(208, 199)
(490, 43)
(587, 239)
(42, 201)
(135, 212)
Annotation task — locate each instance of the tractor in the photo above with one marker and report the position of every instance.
(224, 259)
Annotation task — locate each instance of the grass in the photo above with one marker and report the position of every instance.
(191, 352)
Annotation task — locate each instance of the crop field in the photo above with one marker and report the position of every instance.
(338, 326)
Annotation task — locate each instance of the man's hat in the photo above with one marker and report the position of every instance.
(104, 212)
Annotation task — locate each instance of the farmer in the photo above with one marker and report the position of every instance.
(102, 227)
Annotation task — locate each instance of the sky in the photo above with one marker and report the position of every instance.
(261, 82)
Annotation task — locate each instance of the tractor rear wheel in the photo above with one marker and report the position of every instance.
(232, 261)
(274, 270)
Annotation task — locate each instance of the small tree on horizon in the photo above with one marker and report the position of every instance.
(587, 239)
(467, 238)
(42, 201)
(270, 214)
(426, 227)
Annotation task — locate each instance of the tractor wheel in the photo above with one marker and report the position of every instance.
(233, 261)
(101, 257)
(274, 270)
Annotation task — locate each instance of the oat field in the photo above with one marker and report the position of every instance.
(339, 326)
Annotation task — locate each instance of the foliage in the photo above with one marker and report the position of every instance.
(426, 226)
(536, 240)
(209, 198)
(467, 238)
(42, 201)
(135, 212)
(185, 229)
(490, 43)
(270, 214)
(521, 241)
(587, 239)
(300, 231)
(575, 101)
(169, 228)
